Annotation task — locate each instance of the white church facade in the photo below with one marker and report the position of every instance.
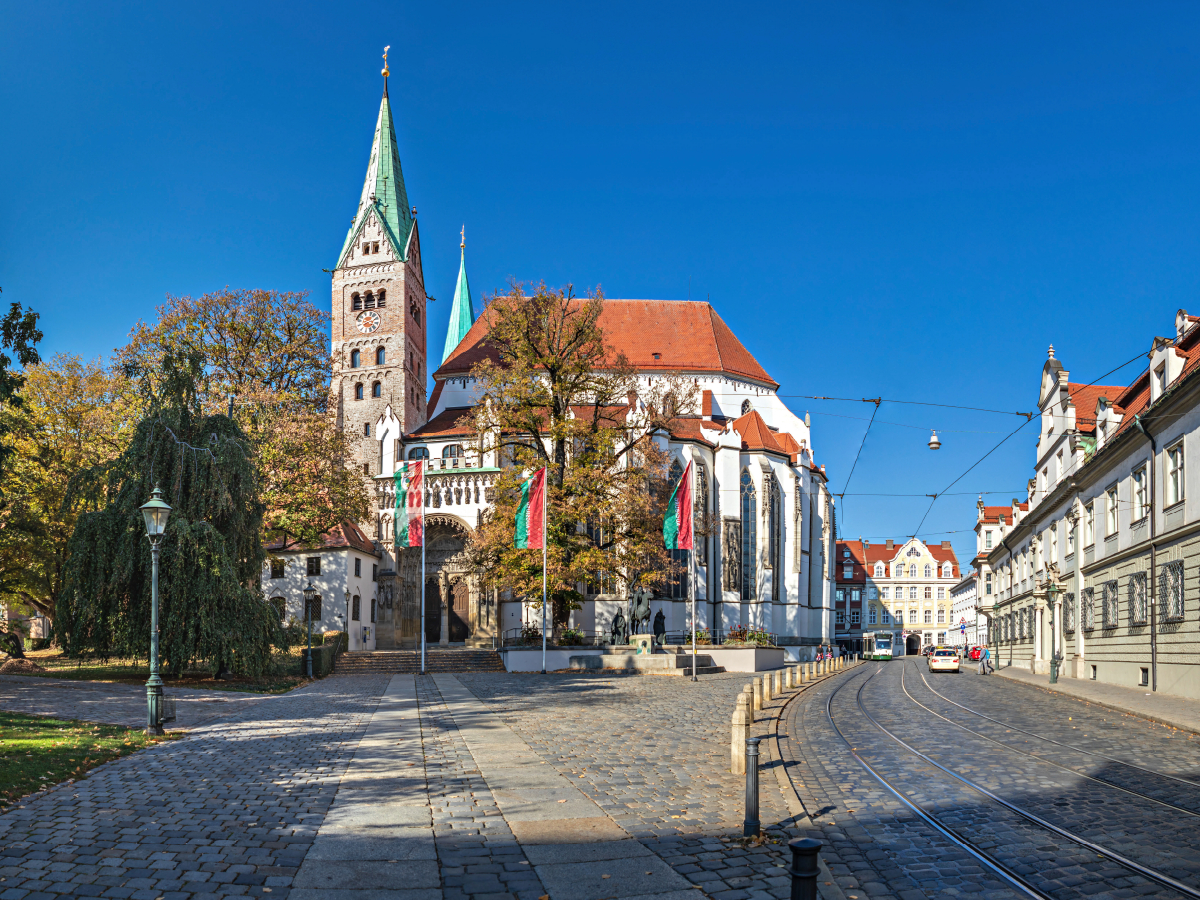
(767, 560)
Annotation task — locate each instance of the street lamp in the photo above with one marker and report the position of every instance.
(310, 594)
(154, 512)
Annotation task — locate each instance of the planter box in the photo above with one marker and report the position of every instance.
(749, 659)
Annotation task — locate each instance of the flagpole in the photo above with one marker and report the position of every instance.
(423, 473)
(545, 529)
(692, 592)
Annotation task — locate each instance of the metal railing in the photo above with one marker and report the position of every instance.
(531, 636)
(719, 636)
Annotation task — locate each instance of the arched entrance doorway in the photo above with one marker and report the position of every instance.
(912, 645)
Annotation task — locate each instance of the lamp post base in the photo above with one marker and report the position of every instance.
(154, 693)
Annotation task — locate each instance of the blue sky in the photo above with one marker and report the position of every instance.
(900, 200)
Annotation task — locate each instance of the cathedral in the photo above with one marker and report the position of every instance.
(767, 564)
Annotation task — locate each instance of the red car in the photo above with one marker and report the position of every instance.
(976, 652)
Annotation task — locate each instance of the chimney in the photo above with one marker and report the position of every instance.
(706, 405)
(946, 544)
(891, 545)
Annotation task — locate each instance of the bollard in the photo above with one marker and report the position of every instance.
(758, 700)
(737, 743)
(800, 674)
(747, 697)
(779, 688)
(791, 677)
(767, 692)
(805, 853)
(750, 826)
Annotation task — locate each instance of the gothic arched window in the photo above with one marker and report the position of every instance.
(355, 301)
(355, 359)
(749, 537)
(775, 538)
(358, 392)
(376, 389)
(380, 356)
(746, 406)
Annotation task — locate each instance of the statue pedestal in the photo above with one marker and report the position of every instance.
(644, 643)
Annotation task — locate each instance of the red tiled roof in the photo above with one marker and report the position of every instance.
(1085, 396)
(879, 553)
(454, 421)
(345, 536)
(690, 429)
(992, 514)
(654, 335)
(755, 433)
(859, 572)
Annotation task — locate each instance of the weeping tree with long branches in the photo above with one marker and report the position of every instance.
(212, 609)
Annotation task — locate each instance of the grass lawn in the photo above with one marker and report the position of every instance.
(36, 752)
(136, 671)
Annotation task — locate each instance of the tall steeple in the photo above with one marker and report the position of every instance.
(383, 190)
(462, 313)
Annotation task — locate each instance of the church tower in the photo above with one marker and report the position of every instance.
(379, 321)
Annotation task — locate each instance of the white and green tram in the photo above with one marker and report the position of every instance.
(878, 645)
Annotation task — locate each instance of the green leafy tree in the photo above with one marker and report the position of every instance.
(212, 607)
(20, 335)
(554, 393)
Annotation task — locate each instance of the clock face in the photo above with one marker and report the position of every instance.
(368, 322)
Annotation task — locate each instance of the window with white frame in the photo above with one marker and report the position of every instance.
(855, 617)
(1139, 494)
(1175, 473)
(987, 584)
(912, 617)
(872, 593)
(912, 593)
(947, 570)
(941, 615)
(928, 571)
(1054, 543)
(887, 617)
(941, 593)
(841, 617)
(1068, 613)
(1070, 538)
(1137, 598)
(987, 540)
(884, 593)
(1111, 501)
(1170, 587)
(1089, 525)
(928, 593)
(1111, 605)
(929, 617)
(913, 551)
(1087, 608)
(878, 570)
(847, 572)
(912, 571)
(872, 616)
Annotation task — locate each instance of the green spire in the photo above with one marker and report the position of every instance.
(462, 313)
(383, 190)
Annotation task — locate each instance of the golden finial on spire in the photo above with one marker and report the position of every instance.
(463, 234)
(384, 73)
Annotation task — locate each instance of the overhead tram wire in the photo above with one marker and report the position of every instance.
(877, 400)
(1006, 438)
(859, 453)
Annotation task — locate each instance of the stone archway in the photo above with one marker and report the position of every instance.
(912, 645)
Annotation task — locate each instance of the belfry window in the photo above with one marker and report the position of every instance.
(355, 301)
(749, 537)
(369, 303)
(381, 300)
(377, 389)
(355, 359)
(380, 356)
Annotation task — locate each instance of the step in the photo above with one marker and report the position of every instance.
(383, 662)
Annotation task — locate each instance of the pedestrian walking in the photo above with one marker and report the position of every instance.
(987, 661)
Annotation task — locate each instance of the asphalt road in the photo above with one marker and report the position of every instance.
(1040, 796)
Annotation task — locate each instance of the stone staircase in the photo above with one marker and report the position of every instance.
(394, 662)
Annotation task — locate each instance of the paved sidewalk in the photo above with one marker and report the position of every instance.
(1165, 709)
(118, 704)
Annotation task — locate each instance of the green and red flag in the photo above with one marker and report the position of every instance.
(410, 506)
(531, 514)
(677, 524)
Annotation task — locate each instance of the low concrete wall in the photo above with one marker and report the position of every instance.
(749, 659)
(530, 660)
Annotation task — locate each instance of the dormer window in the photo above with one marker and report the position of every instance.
(369, 303)
(355, 301)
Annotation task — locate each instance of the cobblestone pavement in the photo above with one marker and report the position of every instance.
(230, 809)
(653, 753)
(879, 847)
(117, 704)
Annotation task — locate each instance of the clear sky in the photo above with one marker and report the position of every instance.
(900, 200)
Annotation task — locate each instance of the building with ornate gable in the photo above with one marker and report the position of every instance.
(765, 565)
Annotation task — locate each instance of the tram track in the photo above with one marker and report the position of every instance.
(991, 861)
(1018, 750)
(1041, 737)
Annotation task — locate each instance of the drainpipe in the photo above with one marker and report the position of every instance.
(1137, 423)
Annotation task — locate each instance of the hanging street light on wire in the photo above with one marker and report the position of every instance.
(934, 443)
